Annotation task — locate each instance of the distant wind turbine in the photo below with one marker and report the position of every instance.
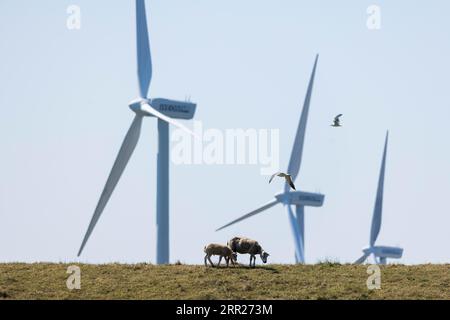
(380, 253)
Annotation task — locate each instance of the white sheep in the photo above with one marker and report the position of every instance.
(221, 250)
(252, 247)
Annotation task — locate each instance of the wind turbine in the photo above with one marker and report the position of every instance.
(289, 198)
(380, 253)
(165, 111)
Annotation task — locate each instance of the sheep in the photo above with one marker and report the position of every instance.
(252, 247)
(221, 250)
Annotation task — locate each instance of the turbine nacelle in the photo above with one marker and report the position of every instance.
(172, 108)
(384, 252)
(301, 198)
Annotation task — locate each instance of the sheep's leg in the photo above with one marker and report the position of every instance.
(209, 259)
(220, 260)
(251, 258)
(206, 263)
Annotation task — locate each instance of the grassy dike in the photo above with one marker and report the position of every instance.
(146, 281)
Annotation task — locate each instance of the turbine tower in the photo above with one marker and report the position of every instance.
(380, 253)
(165, 111)
(289, 198)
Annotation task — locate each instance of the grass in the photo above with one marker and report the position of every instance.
(145, 281)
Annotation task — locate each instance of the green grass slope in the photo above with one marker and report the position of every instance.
(144, 281)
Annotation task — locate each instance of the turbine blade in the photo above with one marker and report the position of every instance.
(128, 146)
(148, 108)
(362, 259)
(297, 237)
(376, 219)
(297, 149)
(144, 58)
(248, 215)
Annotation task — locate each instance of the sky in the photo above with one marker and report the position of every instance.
(64, 98)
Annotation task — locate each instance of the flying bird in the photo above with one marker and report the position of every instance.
(337, 121)
(283, 175)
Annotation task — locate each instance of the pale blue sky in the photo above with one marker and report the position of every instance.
(63, 115)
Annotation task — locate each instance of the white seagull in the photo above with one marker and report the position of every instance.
(284, 175)
(337, 121)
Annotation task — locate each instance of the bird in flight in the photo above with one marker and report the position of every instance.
(337, 121)
(283, 175)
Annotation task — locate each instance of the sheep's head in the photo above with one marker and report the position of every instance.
(234, 256)
(264, 256)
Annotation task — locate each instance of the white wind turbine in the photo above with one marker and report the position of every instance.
(298, 198)
(165, 111)
(380, 253)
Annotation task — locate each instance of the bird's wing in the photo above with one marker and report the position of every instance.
(289, 180)
(338, 116)
(273, 176)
